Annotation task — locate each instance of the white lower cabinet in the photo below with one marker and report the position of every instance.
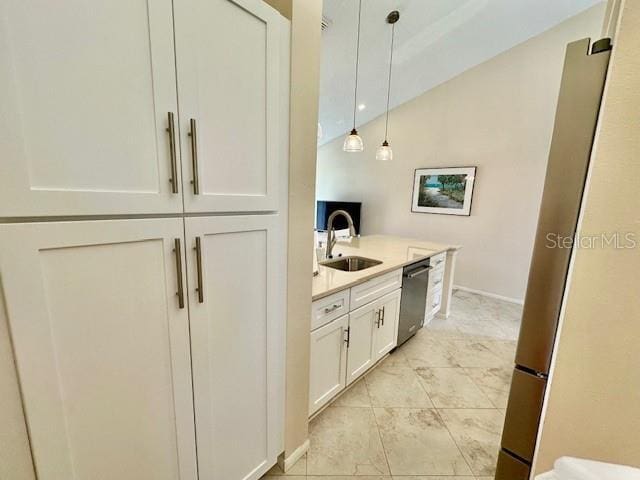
(101, 347)
(373, 332)
(362, 324)
(344, 349)
(236, 306)
(328, 364)
(125, 331)
(386, 333)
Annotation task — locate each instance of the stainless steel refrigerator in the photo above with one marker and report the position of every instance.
(583, 80)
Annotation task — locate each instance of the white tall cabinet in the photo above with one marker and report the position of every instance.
(236, 306)
(228, 62)
(102, 347)
(86, 90)
(103, 114)
(151, 344)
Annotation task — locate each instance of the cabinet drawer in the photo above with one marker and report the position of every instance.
(436, 278)
(438, 260)
(375, 288)
(329, 308)
(434, 300)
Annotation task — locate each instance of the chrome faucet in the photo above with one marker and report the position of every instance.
(331, 234)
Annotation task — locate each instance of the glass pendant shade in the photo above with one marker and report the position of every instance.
(384, 152)
(353, 143)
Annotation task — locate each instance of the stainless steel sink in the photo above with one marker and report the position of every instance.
(351, 264)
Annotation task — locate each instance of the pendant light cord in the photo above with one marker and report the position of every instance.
(355, 93)
(386, 127)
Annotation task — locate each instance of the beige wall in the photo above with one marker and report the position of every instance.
(594, 397)
(497, 116)
(306, 16)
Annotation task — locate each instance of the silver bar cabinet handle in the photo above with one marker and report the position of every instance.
(333, 308)
(193, 133)
(383, 316)
(200, 288)
(178, 251)
(172, 152)
(419, 272)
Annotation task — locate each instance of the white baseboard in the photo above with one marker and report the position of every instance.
(297, 454)
(518, 301)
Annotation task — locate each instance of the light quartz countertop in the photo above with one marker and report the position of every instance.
(393, 252)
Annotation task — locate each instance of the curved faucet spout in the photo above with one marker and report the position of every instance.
(331, 234)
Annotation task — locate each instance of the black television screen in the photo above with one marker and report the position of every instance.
(325, 208)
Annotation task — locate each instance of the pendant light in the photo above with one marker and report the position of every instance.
(353, 142)
(384, 152)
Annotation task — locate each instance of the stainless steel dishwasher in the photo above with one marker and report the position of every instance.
(415, 279)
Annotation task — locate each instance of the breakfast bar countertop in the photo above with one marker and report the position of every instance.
(393, 252)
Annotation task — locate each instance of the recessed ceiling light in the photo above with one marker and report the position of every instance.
(362, 106)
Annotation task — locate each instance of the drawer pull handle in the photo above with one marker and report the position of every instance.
(418, 272)
(348, 339)
(332, 308)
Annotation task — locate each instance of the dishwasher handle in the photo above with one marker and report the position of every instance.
(418, 272)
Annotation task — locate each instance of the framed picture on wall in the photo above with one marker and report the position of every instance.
(443, 190)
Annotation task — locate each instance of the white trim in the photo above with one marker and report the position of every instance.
(611, 19)
(519, 301)
(286, 463)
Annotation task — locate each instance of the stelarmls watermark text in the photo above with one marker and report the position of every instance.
(616, 240)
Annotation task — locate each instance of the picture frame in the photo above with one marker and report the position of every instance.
(445, 191)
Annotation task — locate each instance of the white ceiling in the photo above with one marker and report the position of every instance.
(435, 41)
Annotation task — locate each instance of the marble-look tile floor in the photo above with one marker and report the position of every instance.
(432, 410)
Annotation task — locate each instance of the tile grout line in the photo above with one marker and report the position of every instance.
(433, 405)
(384, 449)
(442, 419)
(481, 389)
(455, 441)
(375, 420)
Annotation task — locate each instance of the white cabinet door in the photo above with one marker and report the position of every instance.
(385, 336)
(360, 355)
(85, 89)
(228, 62)
(328, 363)
(101, 347)
(237, 341)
